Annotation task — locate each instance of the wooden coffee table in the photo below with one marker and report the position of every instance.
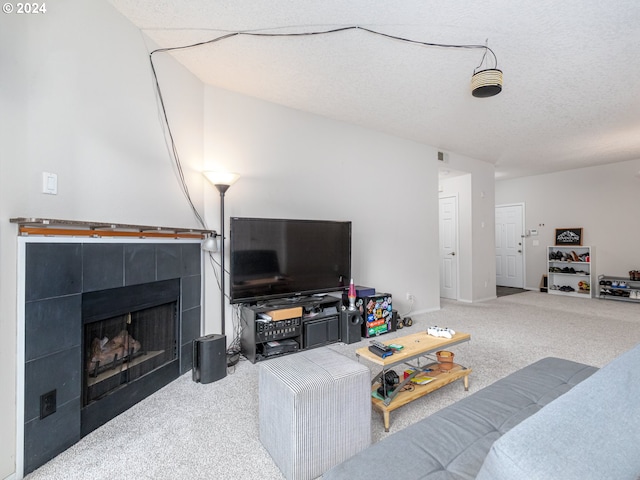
(415, 353)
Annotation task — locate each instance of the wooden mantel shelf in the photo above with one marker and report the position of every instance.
(75, 228)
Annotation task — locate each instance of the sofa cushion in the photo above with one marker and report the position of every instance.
(452, 443)
(591, 432)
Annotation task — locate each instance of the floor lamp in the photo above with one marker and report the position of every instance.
(222, 181)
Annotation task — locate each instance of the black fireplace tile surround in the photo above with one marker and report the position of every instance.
(190, 292)
(43, 319)
(44, 439)
(139, 264)
(191, 323)
(102, 266)
(57, 371)
(53, 270)
(57, 274)
(170, 262)
(190, 328)
(191, 264)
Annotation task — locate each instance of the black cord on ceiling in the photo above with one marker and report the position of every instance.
(174, 150)
(334, 30)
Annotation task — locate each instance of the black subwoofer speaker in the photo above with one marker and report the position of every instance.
(350, 326)
(209, 358)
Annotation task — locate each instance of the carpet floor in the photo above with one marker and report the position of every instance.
(195, 431)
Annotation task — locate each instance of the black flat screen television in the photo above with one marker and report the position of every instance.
(278, 258)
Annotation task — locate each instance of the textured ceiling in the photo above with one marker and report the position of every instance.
(571, 94)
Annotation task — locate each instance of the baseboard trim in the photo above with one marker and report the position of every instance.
(486, 299)
(424, 310)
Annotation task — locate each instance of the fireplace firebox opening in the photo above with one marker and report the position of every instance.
(121, 349)
(130, 338)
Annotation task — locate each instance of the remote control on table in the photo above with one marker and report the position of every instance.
(380, 352)
(380, 345)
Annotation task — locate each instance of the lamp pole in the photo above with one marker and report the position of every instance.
(222, 188)
(222, 181)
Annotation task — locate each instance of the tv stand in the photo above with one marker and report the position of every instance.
(270, 329)
(296, 300)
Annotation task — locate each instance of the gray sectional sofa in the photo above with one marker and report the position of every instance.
(554, 419)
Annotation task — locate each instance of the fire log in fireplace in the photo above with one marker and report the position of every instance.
(107, 354)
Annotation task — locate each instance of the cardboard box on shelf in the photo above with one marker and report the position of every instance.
(285, 313)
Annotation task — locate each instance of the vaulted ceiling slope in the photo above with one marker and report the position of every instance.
(571, 95)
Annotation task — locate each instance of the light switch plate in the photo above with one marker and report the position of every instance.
(49, 183)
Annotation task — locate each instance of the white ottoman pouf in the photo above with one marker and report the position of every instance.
(314, 410)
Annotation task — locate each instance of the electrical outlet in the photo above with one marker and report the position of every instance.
(48, 403)
(410, 296)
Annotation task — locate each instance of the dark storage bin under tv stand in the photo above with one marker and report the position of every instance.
(309, 331)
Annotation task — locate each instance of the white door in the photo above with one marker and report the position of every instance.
(509, 257)
(449, 247)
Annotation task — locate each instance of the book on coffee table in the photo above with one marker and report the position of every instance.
(420, 378)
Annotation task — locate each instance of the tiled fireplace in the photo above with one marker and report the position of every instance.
(106, 323)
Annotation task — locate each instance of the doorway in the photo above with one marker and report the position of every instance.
(448, 208)
(510, 246)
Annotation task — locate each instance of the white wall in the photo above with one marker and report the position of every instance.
(483, 230)
(476, 219)
(297, 165)
(77, 99)
(602, 200)
(13, 148)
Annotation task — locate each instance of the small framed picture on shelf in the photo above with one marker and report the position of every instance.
(568, 236)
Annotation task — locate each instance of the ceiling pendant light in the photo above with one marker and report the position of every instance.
(486, 83)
